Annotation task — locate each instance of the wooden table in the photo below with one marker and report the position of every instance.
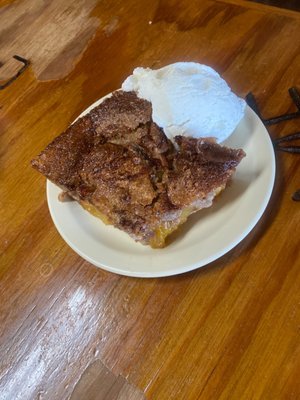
(230, 330)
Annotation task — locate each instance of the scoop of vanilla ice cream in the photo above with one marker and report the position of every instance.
(188, 99)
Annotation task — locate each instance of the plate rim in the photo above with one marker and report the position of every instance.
(185, 267)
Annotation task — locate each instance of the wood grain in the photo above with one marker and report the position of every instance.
(226, 331)
(99, 383)
(53, 34)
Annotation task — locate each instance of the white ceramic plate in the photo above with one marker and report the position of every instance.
(206, 236)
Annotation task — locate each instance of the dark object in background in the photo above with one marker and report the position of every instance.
(281, 143)
(13, 78)
(290, 4)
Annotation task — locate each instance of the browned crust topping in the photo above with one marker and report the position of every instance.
(121, 163)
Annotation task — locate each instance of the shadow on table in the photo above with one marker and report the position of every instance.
(289, 4)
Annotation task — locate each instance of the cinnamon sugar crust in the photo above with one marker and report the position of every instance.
(117, 162)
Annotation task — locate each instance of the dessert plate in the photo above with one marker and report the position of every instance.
(206, 236)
